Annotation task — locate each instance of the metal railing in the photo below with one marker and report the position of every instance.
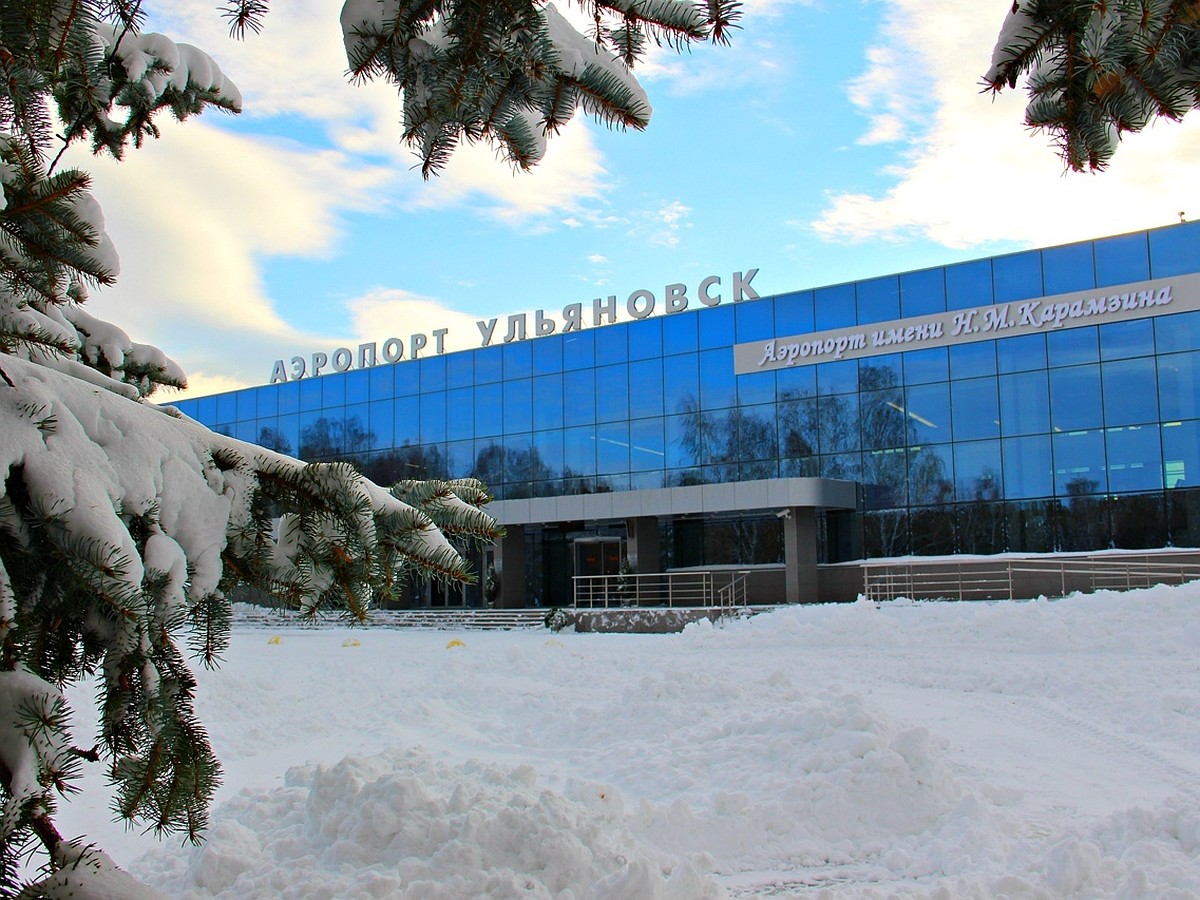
(1019, 577)
(670, 589)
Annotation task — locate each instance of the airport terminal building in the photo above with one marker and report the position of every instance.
(1040, 401)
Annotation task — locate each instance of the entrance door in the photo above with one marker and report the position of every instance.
(598, 556)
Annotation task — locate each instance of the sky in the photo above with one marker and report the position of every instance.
(832, 141)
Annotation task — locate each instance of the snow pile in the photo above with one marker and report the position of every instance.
(406, 825)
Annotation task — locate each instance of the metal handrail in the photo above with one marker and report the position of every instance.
(670, 589)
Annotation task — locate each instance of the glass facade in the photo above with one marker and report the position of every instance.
(1079, 438)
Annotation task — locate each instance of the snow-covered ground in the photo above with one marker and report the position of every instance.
(941, 750)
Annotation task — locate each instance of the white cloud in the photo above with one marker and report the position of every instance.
(972, 173)
(385, 313)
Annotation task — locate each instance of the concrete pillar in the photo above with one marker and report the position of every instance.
(641, 544)
(800, 555)
(510, 566)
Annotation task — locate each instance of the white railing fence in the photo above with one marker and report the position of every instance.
(669, 589)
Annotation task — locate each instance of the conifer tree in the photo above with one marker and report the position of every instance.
(1097, 69)
(124, 527)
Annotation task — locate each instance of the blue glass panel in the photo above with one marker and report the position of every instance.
(717, 386)
(1021, 353)
(268, 401)
(975, 409)
(612, 393)
(977, 471)
(885, 478)
(1025, 404)
(923, 293)
(310, 394)
(549, 447)
(518, 405)
(798, 381)
(837, 377)
(1134, 459)
(433, 373)
(877, 372)
(320, 435)
(289, 433)
(547, 355)
(381, 418)
(333, 391)
(489, 411)
(1181, 332)
(579, 451)
(206, 407)
(358, 435)
(517, 360)
(612, 344)
(930, 474)
(358, 385)
(646, 388)
(489, 364)
(1072, 346)
(246, 404)
(1074, 398)
(837, 423)
(381, 381)
(1175, 250)
(289, 397)
(758, 387)
(842, 465)
(1028, 467)
(612, 448)
(969, 284)
(547, 402)
(227, 408)
(247, 431)
(834, 307)
(460, 460)
(407, 422)
(878, 299)
(1069, 268)
(754, 320)
(756, 439)
(647, 448)
(682, 387)
(645, 339)
(883, 421)
(1018, 276)
(716, 327)
(433, 417)
(407, 379)
(794, 314)
(973, 360)
(1181, 453)
(461, 424)
(683, 441)
(926, 365)
(1123, 339)
(460, 370)
(579, 350)
(1122, 259)
(1130, 391)
(1179, 386)
(1079, 467)
(579, 397)
(928, 412)
(680, 333)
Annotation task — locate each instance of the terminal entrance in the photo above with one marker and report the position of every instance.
(598, 556)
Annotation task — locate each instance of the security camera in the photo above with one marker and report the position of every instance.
(783, 514)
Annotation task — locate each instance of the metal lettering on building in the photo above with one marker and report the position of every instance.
(1138, 300)
(640, 304)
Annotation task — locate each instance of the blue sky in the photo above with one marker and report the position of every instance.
(832, 141)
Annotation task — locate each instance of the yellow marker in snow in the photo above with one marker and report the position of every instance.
(275, 640)
(351, 642)
(455, 643)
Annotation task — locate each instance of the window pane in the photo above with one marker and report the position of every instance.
(716, 327)
(489, 413)
(612, 393)
(1181, 332)
(645, 339)
(310, 397)
(926, 365)
(268, 399)
(547, 402)
(880, 372)
(518, 406)
(407, 379)
(837, 423)
(834, 307)
(1120, 340)
(1020, 354)
(579, 397)
(878, 299)
(884, 423)
(1179, 386)
(1072, 346)
(646, 388)
(289, 399)
(1067, 269)
(517, 359)
(460, 370)
(547, 355)
(1018, 276)
(682, 377)
(1130, 392)
(717, 386)
(647, 449)
(1181, 454)
(969, 284)
(973, 360)
(433, 373)
(1134, 459)
(794, 314)
(683, 441)
(922, 293)
(975, 409)
(1074, 400)
(754, 320)
(928, 412)
(549, 447)
(579, 350)
(680, 334)
(579, 451)
(977, 471)
(757, 387)
(333, 391)
(1174, 250)
(1079, 463)
(245, 405)
(433, 417)
(461, 425)
(1122, 259)
(1024, 403)
(930, 474)
(798, 381)
(612, 344)
(837, 377)
(1028, 467)
(612, 448)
